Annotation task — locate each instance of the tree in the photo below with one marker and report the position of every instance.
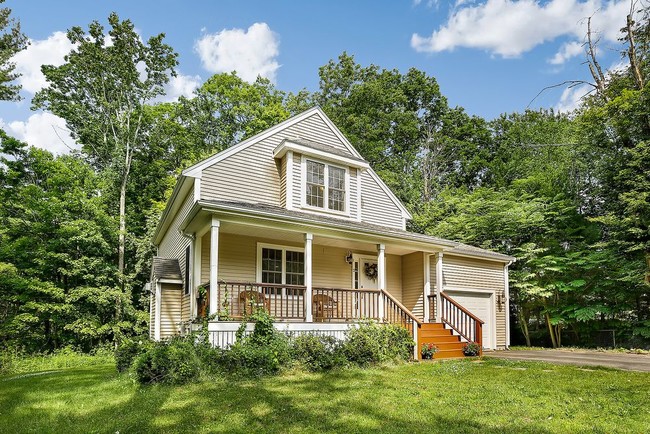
(101, 91)
(12, 40)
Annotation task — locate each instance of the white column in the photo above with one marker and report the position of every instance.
(506, 286)
(214, 266)
(427, 285)
(196, 278)
(308, 269)
(439, 285)
(381, 276)
(288, 189)
(158, 301)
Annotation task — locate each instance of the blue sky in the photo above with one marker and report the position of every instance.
(489, 57)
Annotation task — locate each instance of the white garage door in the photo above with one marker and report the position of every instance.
(479, 305)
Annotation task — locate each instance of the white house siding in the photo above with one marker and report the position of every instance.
(394, 276)
(296, 189)
(173, 244)
(251, 174)
(462, 273)
(170, 310)
(376, 206)
(413, 283)
(185, 307)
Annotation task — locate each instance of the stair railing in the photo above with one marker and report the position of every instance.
(462, 321)
(396, 313)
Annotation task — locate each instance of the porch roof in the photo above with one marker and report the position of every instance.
(283, 214)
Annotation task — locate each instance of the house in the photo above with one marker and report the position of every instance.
(296, 222)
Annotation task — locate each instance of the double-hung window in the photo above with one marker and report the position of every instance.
(325, 186)
(281, 266)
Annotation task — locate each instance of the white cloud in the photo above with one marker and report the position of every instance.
(181, 85)
(43, 130)
(48, 51)
(567, 51)
(510, 28)
(250, 52)
(572, 97)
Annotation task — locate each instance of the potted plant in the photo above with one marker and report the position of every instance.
(471, 349)
(427, 351)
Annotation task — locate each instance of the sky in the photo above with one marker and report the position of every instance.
(489, 57)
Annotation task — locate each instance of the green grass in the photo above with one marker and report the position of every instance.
(492, 396)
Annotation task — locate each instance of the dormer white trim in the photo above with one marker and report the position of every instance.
(303, 187)
(288, 145)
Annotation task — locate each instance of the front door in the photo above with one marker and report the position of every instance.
(367, 273)
(364, 276)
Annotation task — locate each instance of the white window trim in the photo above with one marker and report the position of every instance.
(303, 187)
(284, 249)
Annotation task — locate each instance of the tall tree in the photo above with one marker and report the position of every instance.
(101, 91)
(12, 40)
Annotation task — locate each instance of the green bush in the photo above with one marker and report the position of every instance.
(317, 353)
(172, 362)
(264, 352)
(372, 343)
(128, 350)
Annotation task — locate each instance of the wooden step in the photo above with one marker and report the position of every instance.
(449, 354)
(441, 338)
(434, 333)
(432, 326)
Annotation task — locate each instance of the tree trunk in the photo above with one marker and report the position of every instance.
(550, 330)
(523, 323)
(122, 231)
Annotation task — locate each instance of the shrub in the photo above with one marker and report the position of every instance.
(127, 351)
(264, 352)
(375, 343)
(173, 362)
(317, 353)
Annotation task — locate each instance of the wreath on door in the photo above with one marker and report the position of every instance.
(370, 271)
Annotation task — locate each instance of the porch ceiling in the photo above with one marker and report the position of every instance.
(293, 233)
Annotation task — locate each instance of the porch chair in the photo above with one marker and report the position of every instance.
(251, 300)
(325, 307)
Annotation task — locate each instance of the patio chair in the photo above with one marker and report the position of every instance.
(325, 307)
(251, 300)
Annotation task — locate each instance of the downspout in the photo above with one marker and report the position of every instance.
(190, 292)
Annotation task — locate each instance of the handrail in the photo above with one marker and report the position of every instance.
(465, 323)
(401, 306)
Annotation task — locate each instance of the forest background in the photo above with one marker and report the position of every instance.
(568, 194)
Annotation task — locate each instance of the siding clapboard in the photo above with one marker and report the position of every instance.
(170, 310)
(173, 244)
(152, 315)
(283, 182)
(185, 308)
(413, 283)
(251, 175)
(376, 207)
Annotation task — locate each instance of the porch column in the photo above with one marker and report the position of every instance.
(381, 276)
(158, 301)
(506, 291)
(214, 266)
(438, 285)
(196, 278)
(308, 303)
(427, 285)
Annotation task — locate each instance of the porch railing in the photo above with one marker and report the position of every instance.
(239, 299)
(465, 323)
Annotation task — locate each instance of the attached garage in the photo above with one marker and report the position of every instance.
(481, 304)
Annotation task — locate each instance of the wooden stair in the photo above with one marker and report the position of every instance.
(449, 345)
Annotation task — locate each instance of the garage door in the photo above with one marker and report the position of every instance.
(479, 305)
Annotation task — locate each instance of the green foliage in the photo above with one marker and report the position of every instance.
(12, 41)
(317, 353)
(171, 362)
(128, 350)
(16, 362)
(372, 343)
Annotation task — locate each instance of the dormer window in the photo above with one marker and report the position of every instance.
(325, 186)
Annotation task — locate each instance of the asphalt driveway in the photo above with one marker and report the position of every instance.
(630, 362)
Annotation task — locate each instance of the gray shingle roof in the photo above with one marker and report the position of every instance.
(165, 268)
(325, 148)
(451, 246)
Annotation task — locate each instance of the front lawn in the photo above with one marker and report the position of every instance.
(493, 396)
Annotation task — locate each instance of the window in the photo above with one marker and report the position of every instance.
(325, 186)
(281, 265)
(187, 270)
